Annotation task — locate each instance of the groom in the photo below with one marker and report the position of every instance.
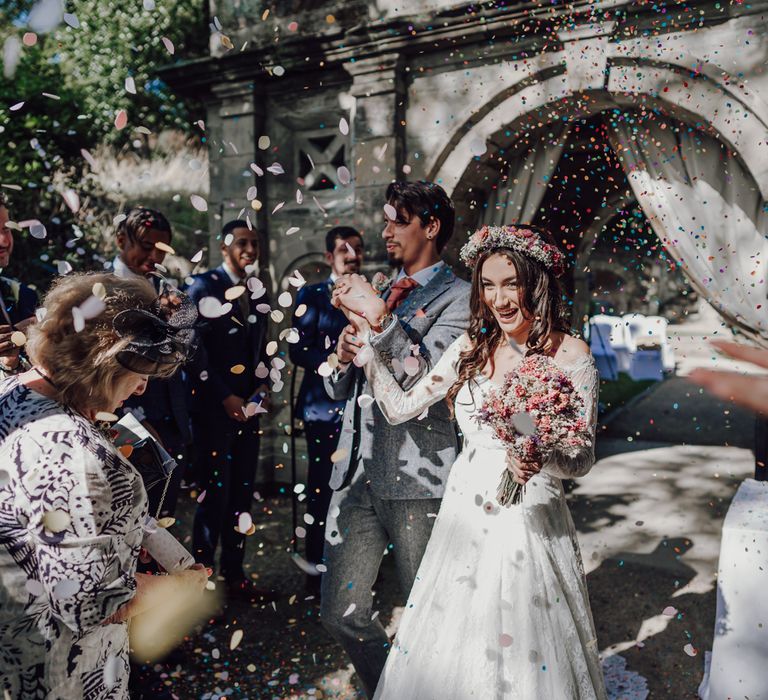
(389, 480)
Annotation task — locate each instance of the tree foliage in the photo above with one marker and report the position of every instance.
(72, 83)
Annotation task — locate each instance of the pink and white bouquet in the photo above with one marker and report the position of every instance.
(536, 410)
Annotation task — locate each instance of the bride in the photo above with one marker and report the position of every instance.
(499, 608)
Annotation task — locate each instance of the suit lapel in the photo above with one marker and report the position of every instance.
(422, 296)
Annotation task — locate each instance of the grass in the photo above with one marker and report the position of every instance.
(617, 393)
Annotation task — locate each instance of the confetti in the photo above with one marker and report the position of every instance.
(285, 299)
(71, 20)
(343, 126)
(390, 212)
(198, 202)
(411, 366)
(234, 292)
(211, 307)
(130, 85)
(292, 230)
(165, 248)
(45, 16)
(65, 589)
(237, 637)
(365, 400)
(237, 369)
(345, 177)
(105, 416)
(165, 523)
(276, 169)
(169, 47)
(244, 522)
(121, 119)
(56, 520)
(339, 455)
(263, 142)
(301, 309)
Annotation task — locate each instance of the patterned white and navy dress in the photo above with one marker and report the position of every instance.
(57, 586)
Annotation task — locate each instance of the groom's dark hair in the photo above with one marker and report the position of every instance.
(427, 201)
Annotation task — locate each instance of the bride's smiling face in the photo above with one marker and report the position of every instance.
(502, 295)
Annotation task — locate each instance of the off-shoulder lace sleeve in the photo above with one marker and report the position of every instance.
(569, 466)
(399, 405)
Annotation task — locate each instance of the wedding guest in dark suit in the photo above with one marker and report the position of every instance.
(17, 304)
(163, 406)
(225, 389)
(319, 327)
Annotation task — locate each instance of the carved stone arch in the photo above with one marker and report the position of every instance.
(631, 83)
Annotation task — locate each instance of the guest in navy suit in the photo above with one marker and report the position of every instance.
(17, 304)
(319, 328)
(163, 405)
(225, 388)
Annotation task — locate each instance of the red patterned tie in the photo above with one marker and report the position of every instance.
(399, 291)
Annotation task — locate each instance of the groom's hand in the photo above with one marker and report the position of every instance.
(348, 345)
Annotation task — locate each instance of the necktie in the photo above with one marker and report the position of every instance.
(399, 291)
(242, 300)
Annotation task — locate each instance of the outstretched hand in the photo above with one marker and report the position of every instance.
(744, 389)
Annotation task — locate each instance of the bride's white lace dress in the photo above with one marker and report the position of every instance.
(499, 608)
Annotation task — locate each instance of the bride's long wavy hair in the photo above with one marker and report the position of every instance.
(541, 299)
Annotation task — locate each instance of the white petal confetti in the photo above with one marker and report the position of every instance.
(72, 200)
(350, 609)
(285, 300)
(72, 20)
(56, 520)
(278, 207)
(301, 309)
(299, 197)
(271, 347)
(390, 211)
(92, 307)
(37, 230)
(364, 400)
(411, 366)
(252, 193)
(325, 370)
(130, 85)
(169, 47)
(211, 307)
(292, 230)
(65, 589)
(364, 356)
(244, 522)
(345, 177)
(524, 424)
(45, 16)
(197, 257)
(63, 267)
(276, 169)
(198, 202)
(343, 126)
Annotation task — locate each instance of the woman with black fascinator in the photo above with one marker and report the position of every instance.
(72, 508)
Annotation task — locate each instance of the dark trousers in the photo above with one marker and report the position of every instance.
(322, 438)
(228, 453)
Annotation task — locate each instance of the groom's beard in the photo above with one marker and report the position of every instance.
(395, 258)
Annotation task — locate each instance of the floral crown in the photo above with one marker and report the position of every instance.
(523, 240)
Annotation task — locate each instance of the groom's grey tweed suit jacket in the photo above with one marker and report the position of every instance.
(411, 460)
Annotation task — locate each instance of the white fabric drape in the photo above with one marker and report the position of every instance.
(707, 211)
(520, 197)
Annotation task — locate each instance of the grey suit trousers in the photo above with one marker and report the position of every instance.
(360, 528)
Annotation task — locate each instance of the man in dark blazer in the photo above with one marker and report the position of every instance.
(226, 394)
(319, 328)
(389, 479)
(162, 408)
(17, 304)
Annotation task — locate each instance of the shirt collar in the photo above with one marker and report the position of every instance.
(120, 269)
(231, 273)
(422, 276)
